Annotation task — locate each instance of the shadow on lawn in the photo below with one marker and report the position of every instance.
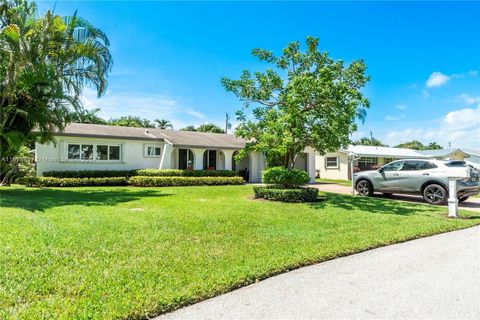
(41, 199)
(375, 205)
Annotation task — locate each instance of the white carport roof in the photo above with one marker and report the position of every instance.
(371, 151)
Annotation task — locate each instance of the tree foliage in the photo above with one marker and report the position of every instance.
(45, 62)
(417, 145)
(163, 124)
(206, 127)
(369, 142)
(131, 121)
(87, 116)
(308, 100)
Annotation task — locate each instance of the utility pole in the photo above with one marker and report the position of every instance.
(227, 122)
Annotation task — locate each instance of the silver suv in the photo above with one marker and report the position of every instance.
(428, 178)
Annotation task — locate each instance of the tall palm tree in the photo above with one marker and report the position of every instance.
(163, 124)
(44, 65)
(87, 116)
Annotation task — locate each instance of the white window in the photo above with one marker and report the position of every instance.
(152, 151)
(98, 152)
(367, 161)
(331, 162)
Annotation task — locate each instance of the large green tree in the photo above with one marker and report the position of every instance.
(87, 116)
(308, 100)
(45, 63)
(206, 127)
(163, 124)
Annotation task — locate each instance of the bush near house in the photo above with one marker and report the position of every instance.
(140, 181)
(285, 185)
(186, 173)
(286, 195)
(140, 172)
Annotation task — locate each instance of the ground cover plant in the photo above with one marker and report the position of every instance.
(124, 252)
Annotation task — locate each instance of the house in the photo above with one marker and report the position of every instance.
(102, 147)
(337, 165)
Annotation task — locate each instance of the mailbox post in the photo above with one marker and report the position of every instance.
(455, 175)
(452, 197)
(352, 157)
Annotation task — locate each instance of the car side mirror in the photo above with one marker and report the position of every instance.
(381, 170)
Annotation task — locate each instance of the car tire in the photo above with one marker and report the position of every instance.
(435, 194)
(364, 188)
(462, 199)
(387, 194)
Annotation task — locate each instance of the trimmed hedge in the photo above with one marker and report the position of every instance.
(286, 195)
(140, 172)
(90, 173)
(287, 178)
(140, 181)
(73, 182)
(186, 173)
(144, 181)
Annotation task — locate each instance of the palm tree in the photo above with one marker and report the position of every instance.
(44, 65)
(87, 116)
(163, 124)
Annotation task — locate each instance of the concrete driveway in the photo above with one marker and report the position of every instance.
(472, 204)
(431, 278)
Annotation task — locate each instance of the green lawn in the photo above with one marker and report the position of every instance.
(121, 252)
(347, 183)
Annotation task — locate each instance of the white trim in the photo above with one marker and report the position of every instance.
(152, 145)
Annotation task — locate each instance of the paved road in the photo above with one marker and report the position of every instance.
(431, 278)
(472, 204)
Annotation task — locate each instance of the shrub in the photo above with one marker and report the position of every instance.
(186, 173)
(72, 182)
(90, 173)
(140, 172)
(144, 181)
(286, 195)
(286, 178)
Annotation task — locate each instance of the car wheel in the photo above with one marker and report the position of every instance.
(364, 188)
(435, 194)
(387, 194)
(462, 199)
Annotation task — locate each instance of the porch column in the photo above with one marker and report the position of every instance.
(166, 162)
(228, 158)
(198, 162)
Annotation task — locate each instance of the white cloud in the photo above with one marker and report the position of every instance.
(394, 118)
(468, 100)
(144, 105)
(461, 128)
(437, 79)
(401, 106)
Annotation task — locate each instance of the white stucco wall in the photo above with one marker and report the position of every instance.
(341, 172)
(52, 157)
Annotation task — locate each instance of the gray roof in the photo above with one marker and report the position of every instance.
(373, 151)
(173, 137)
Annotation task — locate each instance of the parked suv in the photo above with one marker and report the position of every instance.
(428, 178)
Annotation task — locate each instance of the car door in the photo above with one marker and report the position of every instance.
(414, 174)
(389, 178)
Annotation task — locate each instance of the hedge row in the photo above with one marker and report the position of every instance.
(286, 195)
(183, 181)
(73, 182)
(140, 172)
(186, 173)
(140, 181)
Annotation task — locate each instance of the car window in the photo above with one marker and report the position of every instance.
(413, 165)
(456, 164)
(393, 166)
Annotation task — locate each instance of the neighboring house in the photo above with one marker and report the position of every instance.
(337, 165)
(101, 147)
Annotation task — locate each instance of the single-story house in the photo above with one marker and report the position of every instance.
(337, 165)
(102, 147)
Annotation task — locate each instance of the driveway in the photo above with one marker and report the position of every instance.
(472, 204)
(431, 278)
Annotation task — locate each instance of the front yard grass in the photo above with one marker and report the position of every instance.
(342, 182)
(123, 252)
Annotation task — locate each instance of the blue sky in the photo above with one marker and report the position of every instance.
(423, 58)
